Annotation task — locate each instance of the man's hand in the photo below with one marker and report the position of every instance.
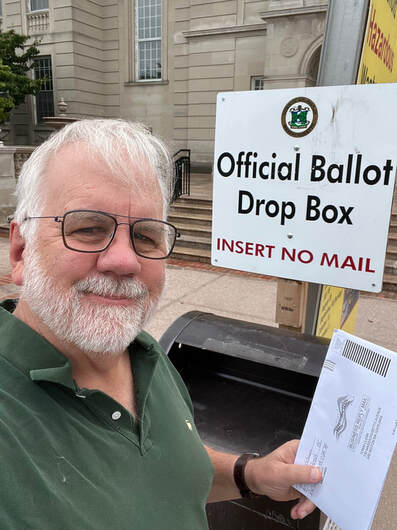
(274, 474)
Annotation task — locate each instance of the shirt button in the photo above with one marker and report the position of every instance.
(116, 415)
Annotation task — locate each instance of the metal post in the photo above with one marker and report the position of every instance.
(341, 51)
(339, 61)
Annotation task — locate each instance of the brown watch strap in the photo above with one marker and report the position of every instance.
(239, 474)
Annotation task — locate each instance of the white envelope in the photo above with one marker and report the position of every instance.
(350, 432)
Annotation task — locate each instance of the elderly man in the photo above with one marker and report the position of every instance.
(96, 426)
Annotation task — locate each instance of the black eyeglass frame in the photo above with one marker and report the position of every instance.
(61, 219)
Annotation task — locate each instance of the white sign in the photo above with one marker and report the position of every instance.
(303, 183)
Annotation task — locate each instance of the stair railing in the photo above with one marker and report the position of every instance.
(181, 183)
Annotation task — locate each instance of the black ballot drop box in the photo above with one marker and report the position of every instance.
(251, 387)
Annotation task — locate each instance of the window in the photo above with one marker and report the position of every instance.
(38, 5)
(148, 39)
(257, 82)
(44, 98)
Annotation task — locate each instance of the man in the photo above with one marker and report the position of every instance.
(96, 426)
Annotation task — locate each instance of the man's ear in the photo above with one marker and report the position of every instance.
(17, 246)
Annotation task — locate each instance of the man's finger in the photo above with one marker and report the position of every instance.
(304, 474)
(303, 508)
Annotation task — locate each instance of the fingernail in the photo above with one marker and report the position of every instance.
(315, 474)
(303, 514)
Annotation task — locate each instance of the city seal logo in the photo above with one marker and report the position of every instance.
(343, 402)
(299, 117)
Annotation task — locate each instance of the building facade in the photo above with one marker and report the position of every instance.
(161, 62)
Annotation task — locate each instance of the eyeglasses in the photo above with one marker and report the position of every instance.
(93, 231)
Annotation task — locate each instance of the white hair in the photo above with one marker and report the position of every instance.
(118, 142)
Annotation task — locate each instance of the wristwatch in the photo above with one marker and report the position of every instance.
(239, 475)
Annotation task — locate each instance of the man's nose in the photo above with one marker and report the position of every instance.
(119, 257)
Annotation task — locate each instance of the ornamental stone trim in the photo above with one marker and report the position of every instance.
(278, 13)
(38, 22)
(227, 30)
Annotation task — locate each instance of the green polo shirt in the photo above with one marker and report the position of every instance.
(74, 458)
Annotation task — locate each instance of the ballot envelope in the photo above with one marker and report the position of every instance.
(350, 432)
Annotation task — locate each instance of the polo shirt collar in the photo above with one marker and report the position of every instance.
(33, 355)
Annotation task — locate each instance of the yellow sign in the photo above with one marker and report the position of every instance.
(338, 310)
(379, 53)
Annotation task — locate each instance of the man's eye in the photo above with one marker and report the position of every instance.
(142, 237)
(89, 230)
(92, 229)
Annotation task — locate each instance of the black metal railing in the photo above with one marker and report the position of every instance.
(181, 184)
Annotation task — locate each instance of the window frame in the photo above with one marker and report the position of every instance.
(30, 10)
(138, 40)
(255, 79)
(35, 97)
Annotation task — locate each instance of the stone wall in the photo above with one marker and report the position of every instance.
(11, 160)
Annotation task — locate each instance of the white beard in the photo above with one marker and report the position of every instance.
(98, 330)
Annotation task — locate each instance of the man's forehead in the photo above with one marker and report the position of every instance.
(76, 166)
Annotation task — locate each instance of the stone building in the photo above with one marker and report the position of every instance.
(161, 62)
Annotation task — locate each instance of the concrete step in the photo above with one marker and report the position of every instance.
(194, 230)
(392, 241)
(195, 200)
(193, 219)
(192, 254)
(391, 254)
(190, 209)
(391, 267)
(195, 242)
(390, 282)
(4, 230)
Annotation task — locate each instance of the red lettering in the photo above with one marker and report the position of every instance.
(378, 43)
(371, 25)
(245, 247)
(348, 263)
(226, 245)
(329, 261)
(309, 257)
(285, 252)
(378, 33)
(367, 265)
(239, 247)
(374, 37)
(270, 248)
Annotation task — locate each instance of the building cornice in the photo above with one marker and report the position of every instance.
(286, 77)
(228, 30)
(278, 13)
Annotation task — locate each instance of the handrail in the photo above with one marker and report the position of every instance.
(181, 181)
(181, 151)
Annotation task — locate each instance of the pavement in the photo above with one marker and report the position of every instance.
(250, 297)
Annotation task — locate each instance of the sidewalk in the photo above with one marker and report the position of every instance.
(196, 286)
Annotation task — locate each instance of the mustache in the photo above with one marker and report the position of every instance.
(104, 286)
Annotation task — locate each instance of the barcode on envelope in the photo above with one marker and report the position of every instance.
(367, 358)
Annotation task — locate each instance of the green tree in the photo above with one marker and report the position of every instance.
(16, 59)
